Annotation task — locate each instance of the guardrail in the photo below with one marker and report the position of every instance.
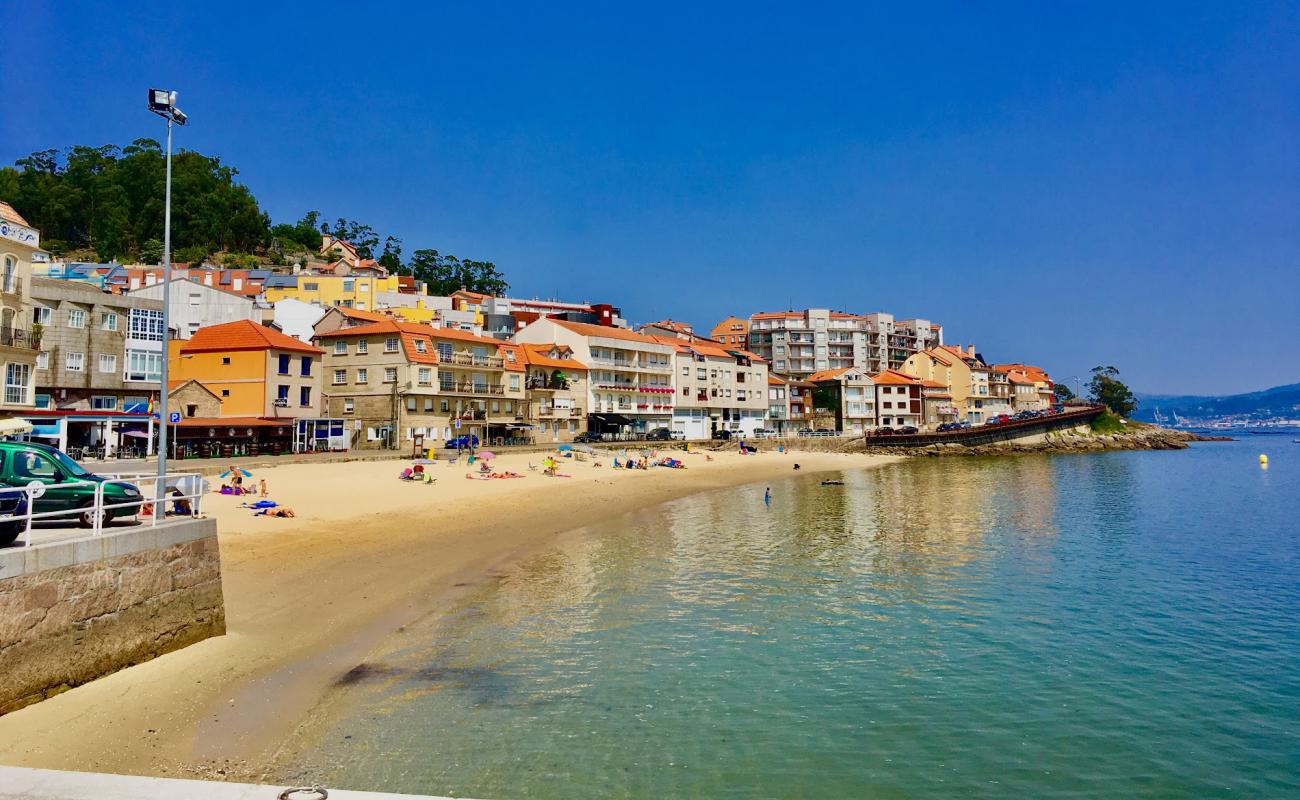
(980, 432)
(180, 489)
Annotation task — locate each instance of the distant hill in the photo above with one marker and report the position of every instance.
(1279, 401)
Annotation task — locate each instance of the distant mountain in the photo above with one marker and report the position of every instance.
(1280, 401)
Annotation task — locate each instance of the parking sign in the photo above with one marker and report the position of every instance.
(174, 417)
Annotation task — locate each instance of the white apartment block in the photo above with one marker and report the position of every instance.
(716, 388)
(630, 376)
(800, 343)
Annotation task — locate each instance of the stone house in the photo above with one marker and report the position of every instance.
(19, 337)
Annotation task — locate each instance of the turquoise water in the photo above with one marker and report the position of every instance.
(1114, 625)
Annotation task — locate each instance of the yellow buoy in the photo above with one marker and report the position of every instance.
(1263, 460)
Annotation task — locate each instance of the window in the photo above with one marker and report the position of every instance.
(284, 363)
(76, 318)
(42, 360)
(311, 287)
(410, 404)
(41, 315)
(349, 286)
(390, 374)
(514, 383)
(444, 406)
(348, 405)
(196, 299)
(43, 401)
(108, 321)
(225, 392)
(107, 362)
(363, 376)
(421, 346)
(142, 365)
(74, 362)
(103, 403)
(390, 344)
(362, 347)
(10, 277)
(17, 378)
(340, 376)
(282, 393)
(146, 324)
(444, 352)
(424, 376)
(340, 348)
(225, 361)
(191, 410)
(428, 405)
(304, 395)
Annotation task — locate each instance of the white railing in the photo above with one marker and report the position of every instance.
(186, 487)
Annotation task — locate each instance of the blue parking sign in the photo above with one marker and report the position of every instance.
(174, 417)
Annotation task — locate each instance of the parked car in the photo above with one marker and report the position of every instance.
(13, 508)
(884, 430)
(764, 433)
(824, 432)
(949, 426)
(806, 432)
(661, 435)
(67, 485)
(908, 430)
(588, 437)
(722, 434)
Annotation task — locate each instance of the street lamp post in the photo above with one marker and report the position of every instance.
(163, 103)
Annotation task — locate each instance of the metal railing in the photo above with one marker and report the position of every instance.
(468, 360)
(20, 337)
(176, 488)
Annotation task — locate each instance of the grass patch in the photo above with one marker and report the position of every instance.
(1108, 422)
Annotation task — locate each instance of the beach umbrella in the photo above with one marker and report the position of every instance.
(565, 447)
(486, 455)
(243, 473)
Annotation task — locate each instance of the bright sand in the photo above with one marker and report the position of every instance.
(308, 597)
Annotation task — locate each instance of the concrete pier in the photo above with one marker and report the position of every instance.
(47, 784)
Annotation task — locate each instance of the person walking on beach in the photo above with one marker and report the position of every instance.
(767, 496)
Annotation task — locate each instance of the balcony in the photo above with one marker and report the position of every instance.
(471, 388)
(11, 284)
(469, 360)
(545, 384)
(469, 414)
(551, 412)
(611, 363)
(19, 337)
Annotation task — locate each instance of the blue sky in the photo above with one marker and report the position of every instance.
(1068, 184)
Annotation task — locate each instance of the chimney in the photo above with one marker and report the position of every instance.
(970, 349)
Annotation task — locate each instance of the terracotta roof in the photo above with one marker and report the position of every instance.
(1020, 377)
(476, 297)
(356, 313)
(669, 325)
(7, 212)
(586, 329)
(1034, 373)
(944, 396)
(511, 356)
(934, 384)
(538, 355)
(828, 374)
(775, 380)
(411, 332)
(706, 347)
(894, 377)
(941, 356)
(243, 335)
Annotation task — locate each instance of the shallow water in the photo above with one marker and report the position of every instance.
(1114, 625)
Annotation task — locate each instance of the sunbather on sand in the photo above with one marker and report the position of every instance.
(276, 512)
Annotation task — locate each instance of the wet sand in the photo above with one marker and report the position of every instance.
(308, 597)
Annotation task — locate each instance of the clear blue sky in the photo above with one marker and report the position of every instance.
(1067, 184)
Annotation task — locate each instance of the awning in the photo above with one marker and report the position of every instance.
(519, 426)
(612, 419)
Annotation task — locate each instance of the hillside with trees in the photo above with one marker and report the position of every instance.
(106, 204)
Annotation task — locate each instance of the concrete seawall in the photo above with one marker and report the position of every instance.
(73, 610)
(46, 784)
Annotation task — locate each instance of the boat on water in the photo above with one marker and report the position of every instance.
(832, 483)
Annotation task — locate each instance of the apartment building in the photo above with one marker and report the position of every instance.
(898, 399)
(716, 388)
(850, 394)
(778, 404)
(99, 351)
(398, 382)
(1043, 394)
(630, 375)
(801, 405)
(800, 343)
(19, 338)
(361, 291)
(197, 304)
(965, 376)
(256, 371)
(556, 385)
(732, 331)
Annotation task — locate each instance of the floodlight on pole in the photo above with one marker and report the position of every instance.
(163, 103)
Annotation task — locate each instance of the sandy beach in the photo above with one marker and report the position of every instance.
(308, 597)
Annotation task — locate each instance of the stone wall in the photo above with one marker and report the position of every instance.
(72, 611)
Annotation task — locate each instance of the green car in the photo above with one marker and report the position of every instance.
(67, 485)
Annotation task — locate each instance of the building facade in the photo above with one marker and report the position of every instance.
(898, 400)
(396, 383)
(99, 351)
(256, 371)
(630, 386)
(556, 384)
(800, 343)
(732, 331)
(20, 337)
(196, 305)
(850, 394)
(716, 388)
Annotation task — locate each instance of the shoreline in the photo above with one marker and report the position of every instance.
(308, 597)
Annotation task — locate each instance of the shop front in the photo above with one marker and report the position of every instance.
(233, 436)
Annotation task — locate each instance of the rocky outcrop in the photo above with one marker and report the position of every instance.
(1145, 437)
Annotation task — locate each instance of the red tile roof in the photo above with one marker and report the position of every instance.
(244, 335)
(828, 374)
(411, 332)
(538, 355)
(894, 377)
(586, 329)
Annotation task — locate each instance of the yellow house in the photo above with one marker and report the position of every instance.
(362, 292)
(256, 371)
(961, 371)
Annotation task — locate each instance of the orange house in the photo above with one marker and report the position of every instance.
(256, 371)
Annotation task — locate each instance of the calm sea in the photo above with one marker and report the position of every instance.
(1114, 625)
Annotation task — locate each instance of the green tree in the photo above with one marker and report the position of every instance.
(392, 255)
(446, 274)
(151, 252)
(1106, 388)
(362, 237)
(1064, 394)
(304, 235)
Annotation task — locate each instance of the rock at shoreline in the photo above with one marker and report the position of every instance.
(1145, 437)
